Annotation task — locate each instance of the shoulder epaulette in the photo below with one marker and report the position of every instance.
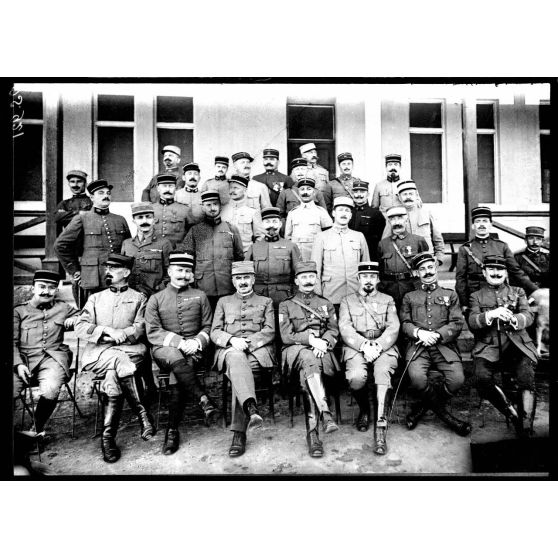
(545, 250)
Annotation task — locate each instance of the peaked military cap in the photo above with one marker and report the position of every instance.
(97, 185)
(210, 195)
(184, 259)
(535, 231)
(271, 153)
(406, 185)
(481, 211)
(271, 213)
(140, 208)
(360, 185)
(242, 268)
(242, 155)
(239, 180)
(343, 200)
(368, 267)
(119, 260)
(299, 162)
(173, 149)
(77, 174)
(495, 261)
(307, 147)
(396, 210)
(222, 159)
(305, 267)
(191, 167)
(307, 182)
(47, 276)
(422, 257)
(344, 157)
(166, 178)
(393, 158)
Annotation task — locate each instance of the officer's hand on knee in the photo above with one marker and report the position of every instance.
(23, 373)
(239, 343)
(188, 347)
(69, 323)
(318, 353)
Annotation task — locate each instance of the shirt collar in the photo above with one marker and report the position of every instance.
(220, 178)
(190, 189)
(165, 202)
(364, 294)
(212, 221)
(246, 296)
(118, 289)
(429, 286)
(42, 305)
(399, 236)
(482, 240)
(339, 229)
(392, 179)
(101, 211)
(269, 238)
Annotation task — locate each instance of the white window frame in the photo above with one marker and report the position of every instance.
(493, 132)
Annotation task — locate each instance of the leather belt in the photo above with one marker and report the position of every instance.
(372, 333)
(396, 276)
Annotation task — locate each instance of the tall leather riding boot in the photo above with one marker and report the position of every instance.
(176, 409)
(381, 425)
(45, 408)
(315, 446)
(527, 416)
(418, 409)
(496, 396)
(317, 390)
(146, 372)
(361, 397)
(113, 410)
(129, 389)
(438, 405)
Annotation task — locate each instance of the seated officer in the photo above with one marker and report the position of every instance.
(244, 332)
(499, 317)
(112, 322)
(178, 322)
(39, 352)
(432, 321)
(369, 328)
(309, 333)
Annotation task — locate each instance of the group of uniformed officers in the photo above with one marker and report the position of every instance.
(300, 274)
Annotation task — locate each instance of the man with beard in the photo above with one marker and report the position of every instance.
(215, 244)
(171, 161)
(385, 192)
(307, 220)
(499, 317)
(243, 331)
(237, 212)
(369, 328)
(272, 178)
(367, 220)
(431, 321)
(395, 254)
(535, 260)
(67, 209)
(309, 333)
(219, 182)
(178, 323)
(341, 185)
(316, 172)
(257, 195)
(190, 195)
(337, 253)
(85, 244)
(171, 218)
(469, 276)
(38, 349)
(113, 324)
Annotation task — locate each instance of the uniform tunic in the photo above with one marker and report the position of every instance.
(150, 192)
(246, 219)
(275, 182)
(370, 222)
(192, 200)
(67, 209)
(257, 195)
(540, 277)
(385, 195)
(320, 175)
(289, 198)
(339, 186)
(86, 243)
(171, 221)
(219, 185)
(337, 253)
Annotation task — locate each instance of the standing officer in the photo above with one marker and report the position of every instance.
(113, 324)
(309, 333)
(385, 192)
(243, 331)
(237, 212)
(367, 220)
(219, 182)
(272, 178)
(178, 323)
(85, 244)
(469, 275)
(305, 221)
(171, 161)
(396, 253)
(499, 317)
(67, 209)
(190, 195)
(337, 253)
(257, 195)
(216, 244)
(38, 348)
(341, 185)
(369, 328)
(432, 322)
(171, 218)
(535, 260)
(315, 171)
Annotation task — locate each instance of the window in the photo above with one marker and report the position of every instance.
(426, 135)
(28, 146)
(544, 127)
(312, 123)
(175, 126)
(486, 151)
(114, 142)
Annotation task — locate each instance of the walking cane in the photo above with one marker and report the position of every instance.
(77, 369)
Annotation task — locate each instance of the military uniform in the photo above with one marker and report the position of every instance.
(339, 186)
(191, 198)
(385, 195)
(289, 198)
(67, 209)
(320, 176)
(171, 221)
(370, 222)
(220, 185)
(246, 219)
(536, 265)
(275, 182)
(257, 195)
(150, 193)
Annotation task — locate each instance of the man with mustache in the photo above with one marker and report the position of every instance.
(535, 259)
(309, 333)
(171, 165)
(215, 244)
(341, 185)
(385, 192)
(243, 331)
(85, 244)
(38, 349)
(431, 320)
(469, 275)
(316, 172)
(369, 327)
(170, 218)
(305, 221)
(190, 195)
(367, 220)
(272, 178)
(395, 254)
(219, 182)
(113, 324)
(237, 212)
(499, 318)
(257, 195)
(337, 253)
(178, 321)
(67, 209)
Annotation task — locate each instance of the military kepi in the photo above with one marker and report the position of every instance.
(299, 162)
(534, 231)
(210, 195)
(481, 211)
(77, 174)
(166, 178)
(47, 276)
(396, 210)
(360, 185)
(191, 167)
(420, 258)
(239, 180)
(173, 149)
(305, 267)
(307, 182)
(139, 208)
(181, 258)
(369, 267)
(222, 159)
(271, 213)
(242, 155)
(343, 200)
(406, 185)
(242, 268)
(495, 261)
(393, 158)
(119, 260)
(344, 157)
(97, 185)
(307, 147)
(271, 153)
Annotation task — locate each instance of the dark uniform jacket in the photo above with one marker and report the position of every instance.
(486, 336)
(86, 243)
(250, 317)
(150, 193)
(171, 221)
(175, 314)
(435, 310)
(338, 187)
(215, 244)
(289, 198)
(541, 259)
(69, 208)
(370, 222)
(274, 262)
(151, 261)
(275, 182)
(468, 274)
(40, 331)
(391, 262)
